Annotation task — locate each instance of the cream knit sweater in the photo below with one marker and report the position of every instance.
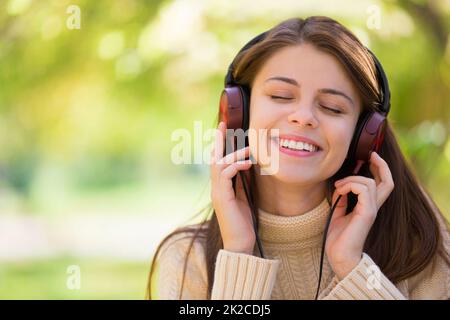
(290, 271)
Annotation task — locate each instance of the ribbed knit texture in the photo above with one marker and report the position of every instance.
(245, 277)
(290, 268)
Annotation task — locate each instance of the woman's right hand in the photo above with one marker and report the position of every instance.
(232, 210)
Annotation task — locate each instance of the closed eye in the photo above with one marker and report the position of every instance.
(280, 98)
(331, 109)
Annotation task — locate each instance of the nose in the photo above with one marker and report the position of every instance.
(303, 115)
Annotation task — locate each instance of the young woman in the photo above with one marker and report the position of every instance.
(312, 80)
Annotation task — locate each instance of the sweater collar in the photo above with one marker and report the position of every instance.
(294, 231)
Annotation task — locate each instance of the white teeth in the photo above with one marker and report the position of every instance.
(297, 145)
(308, 147)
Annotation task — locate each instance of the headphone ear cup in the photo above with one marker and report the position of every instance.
(356, 135)
(235, 107)
(368, 137)
(232, 103)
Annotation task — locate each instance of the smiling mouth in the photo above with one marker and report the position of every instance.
(297, 145)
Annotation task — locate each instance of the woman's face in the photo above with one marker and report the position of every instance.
(305, 93)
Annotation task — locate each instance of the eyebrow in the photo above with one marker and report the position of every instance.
(284, 79)
(323, 90)
(338, 93)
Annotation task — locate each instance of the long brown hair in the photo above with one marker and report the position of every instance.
(406, 234)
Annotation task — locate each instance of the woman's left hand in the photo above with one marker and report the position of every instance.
(347, 233)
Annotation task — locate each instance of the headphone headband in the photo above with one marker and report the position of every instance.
(229, 79)
(384, 84)
(385, 104)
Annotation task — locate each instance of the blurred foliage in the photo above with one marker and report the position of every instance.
(99, 103)
(47, 279)
(93, 109)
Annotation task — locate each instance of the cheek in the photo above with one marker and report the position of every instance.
(257, 122)
(263, 117)
(257, 109)
(339, 137)
(260, 142)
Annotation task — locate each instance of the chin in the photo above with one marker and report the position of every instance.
(293, 176)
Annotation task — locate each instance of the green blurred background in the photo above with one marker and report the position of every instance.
(86, 117)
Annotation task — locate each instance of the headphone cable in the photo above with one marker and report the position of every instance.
(252, 208)
(324, 239)
(253, 214)
(359, 163)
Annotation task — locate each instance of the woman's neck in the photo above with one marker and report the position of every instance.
(284, 199)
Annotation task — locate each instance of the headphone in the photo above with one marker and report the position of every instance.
(369, 131)
(368, 136)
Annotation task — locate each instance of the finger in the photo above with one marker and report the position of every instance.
(380, 168)
(234, 156)
(230, 171)
(231, 158)
(370, 183)
(341, 206)
(374, 169)
(365, 199)
(240, 192)
(386, 185)
(219, 141)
